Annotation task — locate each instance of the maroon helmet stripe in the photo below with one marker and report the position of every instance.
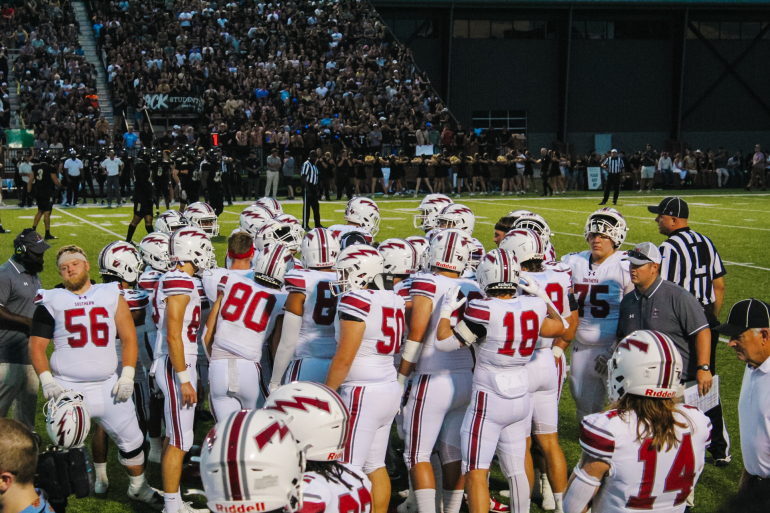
(668, 360)
(450, 246)
(232, 456)
(322, 245)
(273, 259)
(505, 266)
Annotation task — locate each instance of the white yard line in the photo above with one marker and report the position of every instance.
(121, 237)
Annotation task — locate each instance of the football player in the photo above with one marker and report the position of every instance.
(537, 224)
(45, 179)
(441, 386)
(83, 321)
(319, 421)
(647, 451)
(153, 250)
(242, 319)
(143, 195)
(271, 205)
(263, 461)
(170, 221)
(177, 308)
(600, 279)
(429, 208)
(306, 337)
(457, 216)
(506, 328)
(547, 367)
(369, 327)
(201, 215)
(362, 215)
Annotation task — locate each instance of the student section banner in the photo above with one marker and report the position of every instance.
(170, 104)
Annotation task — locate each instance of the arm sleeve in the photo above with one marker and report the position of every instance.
(42, 323)
(347, 317)
(292, 324)
(573, 304)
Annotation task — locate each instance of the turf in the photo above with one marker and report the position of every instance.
(738, 224)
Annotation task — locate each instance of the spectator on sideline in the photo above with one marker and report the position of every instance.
(649, 157)
(666, 168)
(113, 167)
(19, 283)
(614, 166)
(758, 163)
(692, 261)
(748, 327)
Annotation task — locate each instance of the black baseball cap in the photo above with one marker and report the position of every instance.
(32, 240)
(673, 206)
(744, 315)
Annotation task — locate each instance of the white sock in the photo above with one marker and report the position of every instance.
(426, 500)
(453, 499)
(101, 471)
(547, 491)
(173, 502)
(136, 483)
(559, 499)
(156, 443)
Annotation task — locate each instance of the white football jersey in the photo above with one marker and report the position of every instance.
(402, 289)
(84, 331)
(338, 230)
(212, 278)
(147, 282)
(513, 327)
(550, 253)
(557, 283)
(175, 283)
(598, 291)
(316, 337)
(246, 316)
(640, 477)
(434, 287)
(139, 300)
(383, 313)
(205, 310)
(322, 496)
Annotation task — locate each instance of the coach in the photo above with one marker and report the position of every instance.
(18, 285)
(691, 261)
(614, 166)
(660, 305)
(748, 327)
(310, 184)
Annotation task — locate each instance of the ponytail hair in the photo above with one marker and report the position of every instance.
(655, 419)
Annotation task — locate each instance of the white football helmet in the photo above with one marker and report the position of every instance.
(498, 270)
(272, 264)
(120, 259)
(192, 245)
(457, 216)
(421, 245)
(170, 221)
(477, 254)
(271, 205)
(515, 214)
(537, 224)
(252, 218)
(645, 363)
(356, 267)
(287, 218)
(67, 420)
(153, 250)
(319, 249)
(250, 461)
(202, 216)
(316, 416)
(450, 250)
(429, 208)
(609, 222)
(365, 213)
(399, 256)
(524, 243)
(275, 232)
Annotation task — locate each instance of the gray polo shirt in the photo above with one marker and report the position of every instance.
(17, 294)
(670, 309)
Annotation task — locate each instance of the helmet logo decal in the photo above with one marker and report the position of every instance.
(266, 435)
(299, 403)
(628, 342)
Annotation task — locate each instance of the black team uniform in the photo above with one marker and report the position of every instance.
(88, 177)
(143, 197)
(211, 169)
(45, 187)
(161, 173)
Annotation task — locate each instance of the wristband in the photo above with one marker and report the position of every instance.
(128, 372)
(445, 314)
(411, 351)
(184, 376)
(46, 378)
(401, 379)
(557, 351)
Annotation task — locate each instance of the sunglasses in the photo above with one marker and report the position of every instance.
(639, 255)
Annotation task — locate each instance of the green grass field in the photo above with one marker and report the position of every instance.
(738, 224)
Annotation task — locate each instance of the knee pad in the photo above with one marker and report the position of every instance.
(132, 458)
(448, 453)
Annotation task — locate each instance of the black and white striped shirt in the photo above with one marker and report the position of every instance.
(614, 164)
(691, 261)
(310, 172)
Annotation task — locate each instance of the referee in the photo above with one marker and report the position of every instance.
(614, 166)
(310, 184)
(691, 261)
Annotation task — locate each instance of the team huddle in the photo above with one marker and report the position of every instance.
(310, 346)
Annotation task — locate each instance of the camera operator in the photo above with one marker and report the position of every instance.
(18, 461)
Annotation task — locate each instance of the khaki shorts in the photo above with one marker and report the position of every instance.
(648, 172)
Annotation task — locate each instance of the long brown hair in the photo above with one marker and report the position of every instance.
(655, 419)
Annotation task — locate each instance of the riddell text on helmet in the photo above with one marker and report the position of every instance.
(241, 508)
(666, 394)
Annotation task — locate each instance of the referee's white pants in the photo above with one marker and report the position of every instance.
(272, 181)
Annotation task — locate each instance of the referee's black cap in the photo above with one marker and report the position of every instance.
(673, 206)
(745, 315)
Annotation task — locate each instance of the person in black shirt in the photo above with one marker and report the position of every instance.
(326, 174)
(45, 179)
(227, 165)
(410, 141)
(99, 173)
(545, 168)
(252, 166)
(211, 178)
(348, 138)
(441, 173)
(422, 174)
(143, 195)
(146, 136)
(183, 176)
(344, 173)
(529, 173)
(161, 168)
(360, 173)
(460, 136)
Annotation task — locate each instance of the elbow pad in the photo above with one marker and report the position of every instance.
(411, 351)
(580, 492)
(464, 334)
(448, 344)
